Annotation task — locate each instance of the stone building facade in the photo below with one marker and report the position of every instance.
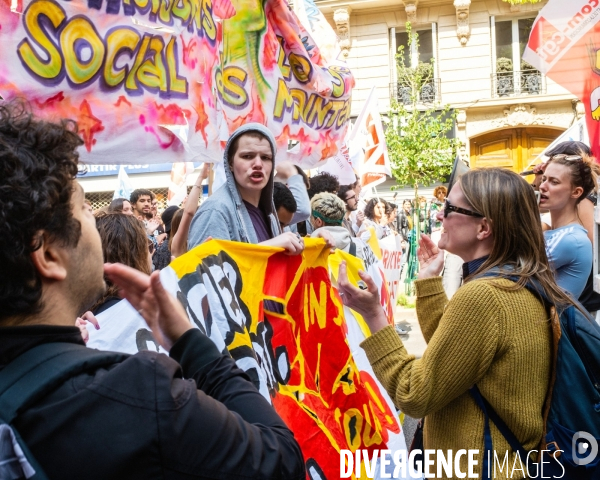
(507, 113)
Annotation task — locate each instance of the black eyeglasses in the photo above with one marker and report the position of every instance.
(448, 207)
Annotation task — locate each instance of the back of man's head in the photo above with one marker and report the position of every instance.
(38, 165)
(329, 208)
(283, 197)
(285, 204)
(323, 182)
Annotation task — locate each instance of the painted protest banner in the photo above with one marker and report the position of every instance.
(313, 20)
(283, 322)
(324, 36)
(565, 45)
(164, 81)
(285, 325)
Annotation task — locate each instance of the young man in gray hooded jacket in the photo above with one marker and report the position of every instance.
(242, 209)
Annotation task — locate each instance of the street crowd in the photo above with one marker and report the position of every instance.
(193, 413)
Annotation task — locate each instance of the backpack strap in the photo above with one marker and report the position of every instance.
(556, 335)
(39, 371)
(42, 369)
(490, 414)
(352, 250)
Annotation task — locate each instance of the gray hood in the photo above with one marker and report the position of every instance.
(224, 215)
(266, 197)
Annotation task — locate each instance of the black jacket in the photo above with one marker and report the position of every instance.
(139, 419)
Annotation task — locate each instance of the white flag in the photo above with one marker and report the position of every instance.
(124, 187)
(340, 165)
(368, 150)
(320, 29)
(178, 187)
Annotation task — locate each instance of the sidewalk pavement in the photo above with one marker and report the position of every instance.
(414, 342)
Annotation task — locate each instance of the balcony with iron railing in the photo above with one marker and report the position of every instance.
(429, 93)
(521, 82)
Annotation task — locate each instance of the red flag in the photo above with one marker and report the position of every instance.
(565, 45)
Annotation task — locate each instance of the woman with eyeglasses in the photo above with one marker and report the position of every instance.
(492, 338)
(566, 181)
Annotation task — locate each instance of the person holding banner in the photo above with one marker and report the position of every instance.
(493, 333)
(328, 212)
(242, 209)
(192, 414)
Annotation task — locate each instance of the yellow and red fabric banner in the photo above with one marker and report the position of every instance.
(565, 45)
(283, 322)
(168, 81)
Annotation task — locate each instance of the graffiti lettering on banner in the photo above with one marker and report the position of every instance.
(164, 81)
(283, 322)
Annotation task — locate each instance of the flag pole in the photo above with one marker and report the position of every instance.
(211, 177)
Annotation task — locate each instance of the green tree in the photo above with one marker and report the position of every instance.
(419, 149)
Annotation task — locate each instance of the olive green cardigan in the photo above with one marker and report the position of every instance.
(500, 340)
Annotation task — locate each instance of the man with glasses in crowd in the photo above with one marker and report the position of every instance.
(350, 199)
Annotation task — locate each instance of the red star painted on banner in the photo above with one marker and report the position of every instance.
(88, 125)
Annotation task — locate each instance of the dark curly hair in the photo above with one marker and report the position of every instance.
(137, 193)
(323, 182)
(38, 165)
(344, 189)
(370, 207)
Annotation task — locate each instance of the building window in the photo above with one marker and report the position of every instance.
(513, 76)
(415, 56)
(422, 53)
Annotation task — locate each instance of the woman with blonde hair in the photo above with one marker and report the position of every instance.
(566, 181)
(492, 338)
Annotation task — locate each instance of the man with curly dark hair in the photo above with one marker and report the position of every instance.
(43, 213)
(136, 413)
(141, 202)
(323, 182)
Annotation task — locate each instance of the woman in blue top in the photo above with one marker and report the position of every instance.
(567, 180)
